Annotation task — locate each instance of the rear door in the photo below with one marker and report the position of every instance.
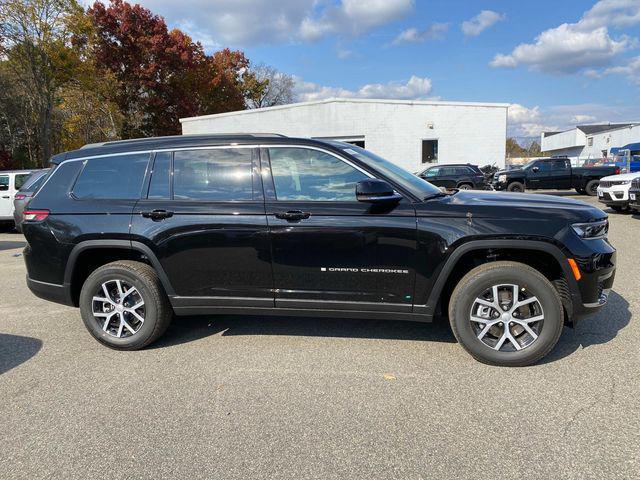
(203, 217)
(5, 196)
(329, 250)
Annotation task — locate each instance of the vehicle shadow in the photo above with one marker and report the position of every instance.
(11, 245)
(595, 330)
(188, 329)
(15, 350)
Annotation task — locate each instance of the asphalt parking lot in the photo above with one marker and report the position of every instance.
(250, 397)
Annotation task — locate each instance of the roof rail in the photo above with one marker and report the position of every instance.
(200, 135)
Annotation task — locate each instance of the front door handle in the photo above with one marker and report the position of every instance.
(157, 215)
(293, 215)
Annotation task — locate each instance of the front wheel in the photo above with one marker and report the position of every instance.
(124, 306)
(506, 314)
(464, 186)
(515, 187)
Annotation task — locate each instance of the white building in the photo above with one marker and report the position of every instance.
(586, 142)
(409, 133)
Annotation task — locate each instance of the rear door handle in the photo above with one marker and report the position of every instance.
(157, 215)
(6, 196)
(293, 215)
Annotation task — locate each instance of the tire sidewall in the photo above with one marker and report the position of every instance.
(551, 306)
(144, 288)
(591, 188)
(515, 187)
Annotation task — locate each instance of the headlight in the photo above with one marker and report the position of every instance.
(625, 182)
(589, 231)
(502, 178)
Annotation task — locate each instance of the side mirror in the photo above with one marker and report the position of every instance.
(535, 169)
(376, 191)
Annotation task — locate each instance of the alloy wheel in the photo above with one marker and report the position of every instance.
(118, 307)
(507, 317)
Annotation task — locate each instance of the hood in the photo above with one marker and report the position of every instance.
(622, 176)
(482, 203)
(513, 170)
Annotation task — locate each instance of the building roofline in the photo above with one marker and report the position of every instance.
(619, 126)
(347, 100)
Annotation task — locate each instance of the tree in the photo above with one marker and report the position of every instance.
(35, 41)
(514, 149)
(273, 88)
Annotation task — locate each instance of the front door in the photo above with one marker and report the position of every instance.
(329, 250)
(537, 175)
(5, 197)
(203, 217)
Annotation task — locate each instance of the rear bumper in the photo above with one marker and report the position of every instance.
(50, 291)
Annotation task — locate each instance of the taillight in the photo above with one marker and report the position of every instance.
(617, 171)
(35, 215)
(20, 196)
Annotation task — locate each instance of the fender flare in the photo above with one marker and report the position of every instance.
(124, 244)
(474, 245)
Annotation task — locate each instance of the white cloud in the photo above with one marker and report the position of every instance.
(435, 31)
(352, 17)
(415, 88)
(478, 24)
(526, 122)
(630, 70)
(572, 47)
(251, 22)
(582, 119)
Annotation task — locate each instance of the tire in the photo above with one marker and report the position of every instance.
(103, 319)
(591, 188)
(581, 191)
(475, 285)
(515, 187)
(465, 186)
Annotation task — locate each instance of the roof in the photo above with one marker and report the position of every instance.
(348, 100)
(181, 141)
(592, 129)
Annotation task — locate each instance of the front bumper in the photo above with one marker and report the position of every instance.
(614, 196)
(496, 185)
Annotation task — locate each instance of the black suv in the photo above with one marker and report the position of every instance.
(461, 176)
(135, 231)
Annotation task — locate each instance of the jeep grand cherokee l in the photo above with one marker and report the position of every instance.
(135, 231)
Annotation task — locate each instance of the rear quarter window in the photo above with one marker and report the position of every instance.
(117, 177)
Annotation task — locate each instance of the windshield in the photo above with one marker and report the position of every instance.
(417, 186)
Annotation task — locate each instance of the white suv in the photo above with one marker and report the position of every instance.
(10, 183)
(614, 190)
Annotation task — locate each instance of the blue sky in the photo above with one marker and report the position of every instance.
(559, 62)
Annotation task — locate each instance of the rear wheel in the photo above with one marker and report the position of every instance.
(515, 187)
(591, 188)
(123, 305)
(506, 313)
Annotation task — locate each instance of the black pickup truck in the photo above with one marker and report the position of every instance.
(552, 173)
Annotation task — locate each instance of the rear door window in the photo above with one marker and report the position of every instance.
(117, 177)
(216, 175)
(4, 182)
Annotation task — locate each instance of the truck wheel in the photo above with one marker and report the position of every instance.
(124, 306)
(506, 314)
(581, 191)
(591, 188)
(515, 187)
(464, 186)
